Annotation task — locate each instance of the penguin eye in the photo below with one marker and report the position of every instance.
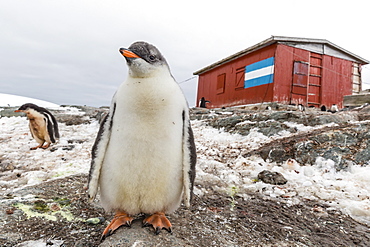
(152, 58)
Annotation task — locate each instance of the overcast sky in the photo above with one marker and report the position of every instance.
(66, 51)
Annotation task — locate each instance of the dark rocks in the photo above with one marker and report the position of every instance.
(345, 140)
(274, 178)
(345, 145)
(8, 112)
(270, 122)
(65, 147)
(363, 156)
(338, 118)
(199, 113)
(72, 119)
(68, 148)
(87, 113)
(242, 124)
(285, 115)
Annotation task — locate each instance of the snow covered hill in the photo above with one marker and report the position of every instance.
(14, 100)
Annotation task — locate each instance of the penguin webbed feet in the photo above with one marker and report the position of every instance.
(34, 148)
(159, 221)
(46, 146)
(41, 146)
(120, 219)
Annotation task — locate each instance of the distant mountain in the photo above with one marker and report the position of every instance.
(15, 100)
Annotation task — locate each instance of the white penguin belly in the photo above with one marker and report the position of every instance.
(142, 169)
(39, 131)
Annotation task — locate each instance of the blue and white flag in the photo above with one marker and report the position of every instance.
(259, 73)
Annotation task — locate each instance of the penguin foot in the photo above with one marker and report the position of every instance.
(34, 148)
(120, 219)
(159, 222)
(46, 146)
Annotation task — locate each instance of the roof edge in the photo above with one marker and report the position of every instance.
(272, 40)
(257, 46)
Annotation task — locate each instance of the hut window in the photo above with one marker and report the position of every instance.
(221, 83)
(300, 74)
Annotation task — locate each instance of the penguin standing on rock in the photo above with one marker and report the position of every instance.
(143, 158)
(43, 125)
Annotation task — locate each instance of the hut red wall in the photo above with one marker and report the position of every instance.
(326, 81)
(234, 91)
(328, 78)
(283, 73)
(337, 81)
(285, 91)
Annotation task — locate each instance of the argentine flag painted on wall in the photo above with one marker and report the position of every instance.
(259, 73)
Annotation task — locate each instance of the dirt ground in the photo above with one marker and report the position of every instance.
(214, 220)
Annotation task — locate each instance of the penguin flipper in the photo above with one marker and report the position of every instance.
(189, 158)
(51, 125)
(98, 153)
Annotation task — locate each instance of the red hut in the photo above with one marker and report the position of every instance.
(311, 72)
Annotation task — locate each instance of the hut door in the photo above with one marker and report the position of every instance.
(314, 81)
(299, 89)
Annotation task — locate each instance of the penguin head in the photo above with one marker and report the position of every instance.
(144, 60)
(26, 107)
(29, 108)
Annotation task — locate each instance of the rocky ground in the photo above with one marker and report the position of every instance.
(62, 215)
(214, 220)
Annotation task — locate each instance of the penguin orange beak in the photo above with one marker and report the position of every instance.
(128, 53)
(17, 111)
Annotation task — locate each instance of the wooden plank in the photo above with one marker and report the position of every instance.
(356, 100)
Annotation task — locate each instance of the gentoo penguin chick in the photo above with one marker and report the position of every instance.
(301, 107)
(43, 125)
(334, 108)
(143, 158)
